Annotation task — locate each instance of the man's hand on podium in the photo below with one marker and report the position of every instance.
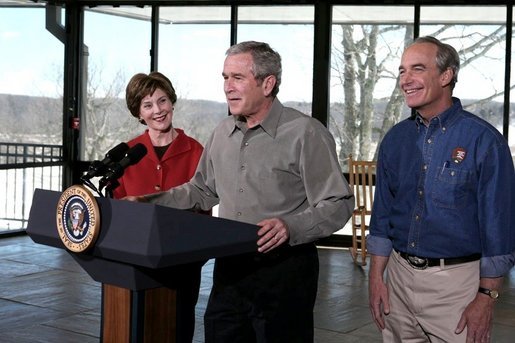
(273, 233)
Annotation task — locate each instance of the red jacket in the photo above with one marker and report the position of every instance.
(151, 175)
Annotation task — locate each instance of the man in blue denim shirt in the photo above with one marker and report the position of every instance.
(443, 217)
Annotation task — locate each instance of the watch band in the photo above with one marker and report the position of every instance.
(492, 293)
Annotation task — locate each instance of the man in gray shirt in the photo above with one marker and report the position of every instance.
(273, 166)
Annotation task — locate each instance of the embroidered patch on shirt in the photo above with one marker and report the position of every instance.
(458, 155)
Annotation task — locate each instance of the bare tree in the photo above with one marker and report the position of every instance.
(107, 120)
(361, 121)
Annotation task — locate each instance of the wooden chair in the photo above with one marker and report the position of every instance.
(361, 181)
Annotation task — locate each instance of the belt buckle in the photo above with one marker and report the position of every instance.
(417, 262)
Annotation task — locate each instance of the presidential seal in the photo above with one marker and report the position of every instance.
(78, 218)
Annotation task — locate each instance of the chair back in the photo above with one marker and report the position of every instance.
(361, 181)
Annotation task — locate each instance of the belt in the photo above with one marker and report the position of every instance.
(418, 262)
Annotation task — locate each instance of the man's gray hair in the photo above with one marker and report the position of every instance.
(446, 57)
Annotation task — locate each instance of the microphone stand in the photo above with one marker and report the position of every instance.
(90, 184)
(109, 185)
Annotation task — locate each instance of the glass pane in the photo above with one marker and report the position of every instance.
(112, 57)
(192, 44)
(31, 81)
(479, 36)
(511, 131)
(31, 69)
(289, 30)
(367, 43)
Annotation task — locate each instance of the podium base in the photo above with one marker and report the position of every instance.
(138, 316)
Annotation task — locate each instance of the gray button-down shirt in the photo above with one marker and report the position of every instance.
(286, 167)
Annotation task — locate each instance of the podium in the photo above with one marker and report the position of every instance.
(138, 249)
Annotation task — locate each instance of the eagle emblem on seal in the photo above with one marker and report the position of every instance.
(76, 219)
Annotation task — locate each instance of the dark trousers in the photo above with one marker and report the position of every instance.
(263, 297)
(186, 281)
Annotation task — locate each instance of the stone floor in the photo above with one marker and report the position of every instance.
(46, 297)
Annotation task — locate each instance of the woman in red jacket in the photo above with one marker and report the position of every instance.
(171, 160)
(172, 156)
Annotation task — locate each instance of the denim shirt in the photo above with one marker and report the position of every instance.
(446, 190)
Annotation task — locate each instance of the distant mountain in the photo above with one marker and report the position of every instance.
(24, 118)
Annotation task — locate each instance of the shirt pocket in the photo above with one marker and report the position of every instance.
(452, 188)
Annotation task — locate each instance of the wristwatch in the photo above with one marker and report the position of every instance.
(492, 293)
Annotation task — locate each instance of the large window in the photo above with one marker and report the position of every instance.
(192, 42)
(511, 132)
(116, 46)
(365, 102)
(31, 73)
(479, 36)
(31, 79)
(288, 30)
(367, 43)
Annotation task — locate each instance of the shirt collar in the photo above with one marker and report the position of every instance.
(271, 121)
(446, 118)
(269, 124)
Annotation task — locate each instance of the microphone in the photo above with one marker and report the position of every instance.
(97, 168)
(116, 169)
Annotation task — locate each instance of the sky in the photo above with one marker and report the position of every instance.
(28, 57)
(191, 55)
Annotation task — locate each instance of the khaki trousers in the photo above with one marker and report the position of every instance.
(426, 305)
